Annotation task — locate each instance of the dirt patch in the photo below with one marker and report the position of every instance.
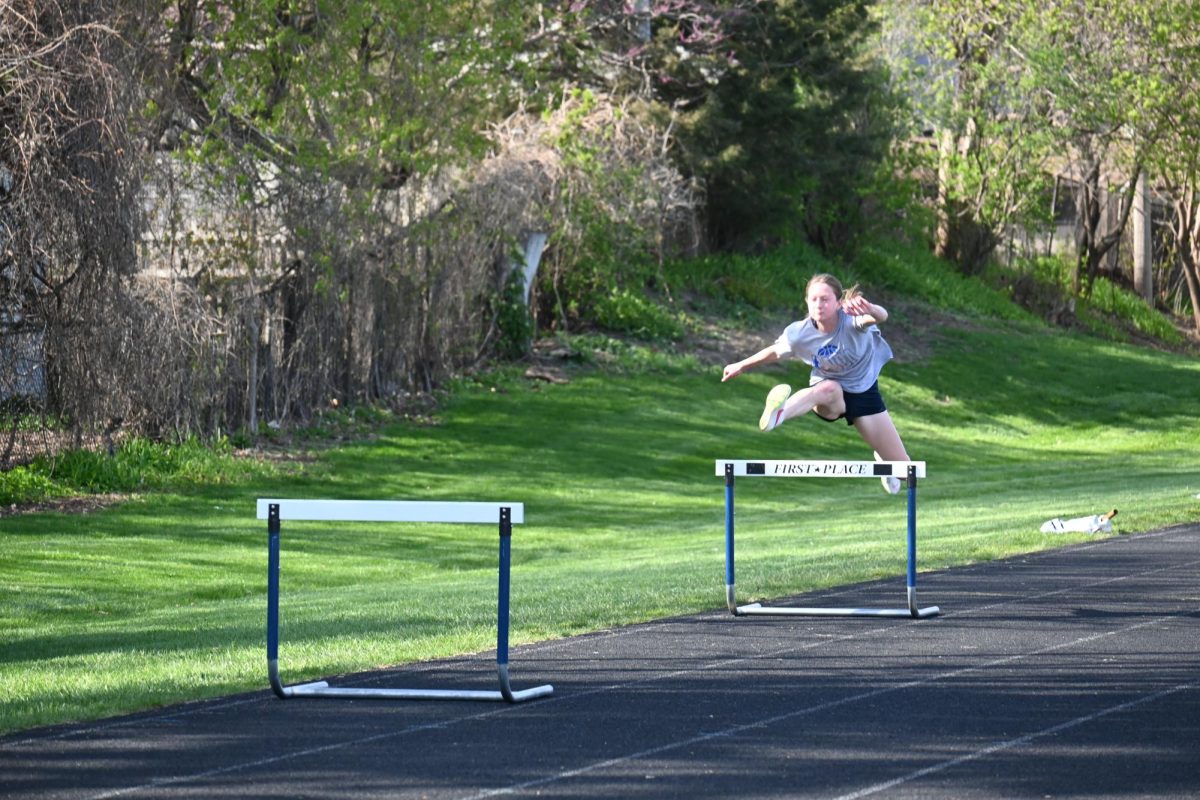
(65, 505)
(281, 453)
(717, 345)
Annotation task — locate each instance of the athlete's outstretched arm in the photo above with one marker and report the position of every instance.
(764, 356)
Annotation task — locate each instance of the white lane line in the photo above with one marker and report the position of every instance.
(1010, 743)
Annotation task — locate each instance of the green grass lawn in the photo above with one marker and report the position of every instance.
(162, 598)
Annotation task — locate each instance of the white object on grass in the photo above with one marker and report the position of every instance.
(1097, 523)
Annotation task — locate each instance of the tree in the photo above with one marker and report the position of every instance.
(69, 183)
(329, 134)
(1175, 160)
(788, 138)
(776, 107)
(380, 88)
(972, 90)
(673, 51)
(1094, 61)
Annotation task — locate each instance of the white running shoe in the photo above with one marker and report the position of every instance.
(890, 485)
(772, 416)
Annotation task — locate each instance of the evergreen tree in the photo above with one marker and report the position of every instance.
(789, 136)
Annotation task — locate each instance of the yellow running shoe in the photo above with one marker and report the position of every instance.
(772, 416)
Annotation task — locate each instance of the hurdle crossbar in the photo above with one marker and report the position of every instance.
(503, 514)
(907, 470)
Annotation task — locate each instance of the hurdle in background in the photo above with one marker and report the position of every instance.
(910, 470)
(506, 514)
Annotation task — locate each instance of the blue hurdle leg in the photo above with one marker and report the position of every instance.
(912, 540)
(912, 551)
(273, 600)
(730, 593)
(506, 691)
(502, 603)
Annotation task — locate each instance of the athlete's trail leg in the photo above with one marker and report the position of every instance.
(880, 433)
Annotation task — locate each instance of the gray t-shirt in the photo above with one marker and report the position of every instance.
(853, 355)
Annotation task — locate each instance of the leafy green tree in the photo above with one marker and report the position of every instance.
(373, 91)
(1175, 160)
(788, 138)
(334, 130)
(1017, 90)
(1096, 64)
(971, 88)
(777, 108)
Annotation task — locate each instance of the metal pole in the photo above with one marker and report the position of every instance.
(912, 541)
(502, 603)
(730, 593)
(273, 600)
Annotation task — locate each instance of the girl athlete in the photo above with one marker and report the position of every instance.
(840, 338)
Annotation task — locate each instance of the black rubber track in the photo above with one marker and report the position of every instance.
(1069, 673)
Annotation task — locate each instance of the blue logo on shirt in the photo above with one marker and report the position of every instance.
(826, 352)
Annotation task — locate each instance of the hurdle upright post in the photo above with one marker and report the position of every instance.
(730, 591)
(273, 600)
(502, 602)
(909, 470)
(912, 542)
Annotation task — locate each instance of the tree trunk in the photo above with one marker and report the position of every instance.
(1092, 246)
(1191, 276)
(1087, 220)
(1143, 240)
(252, 377)
(942, 237)
(1187, 235)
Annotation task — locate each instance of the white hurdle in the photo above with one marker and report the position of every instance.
(907, 470)
(503, 514)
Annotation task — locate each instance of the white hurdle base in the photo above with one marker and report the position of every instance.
(757, 609)
(323, 689)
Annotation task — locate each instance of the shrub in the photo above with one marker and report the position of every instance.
(513, 320)
(625, 311)
(911, 270)
(772, 280)
(1110, 311)
(22, 485)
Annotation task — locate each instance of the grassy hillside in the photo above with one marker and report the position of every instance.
(162, 598)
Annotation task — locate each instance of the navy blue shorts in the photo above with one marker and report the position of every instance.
(861, 404)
